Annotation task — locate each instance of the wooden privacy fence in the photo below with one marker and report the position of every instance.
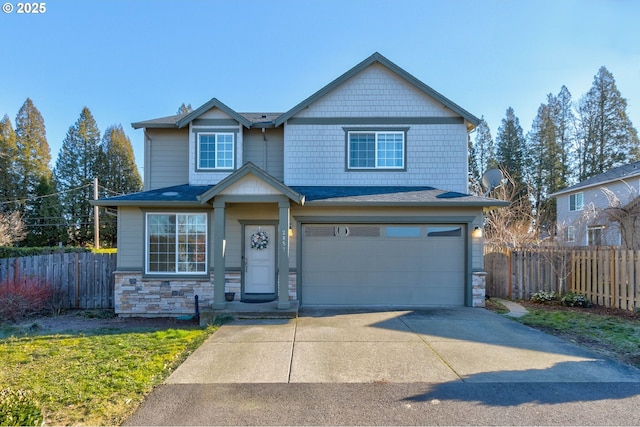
(607, 276)
(80, 280)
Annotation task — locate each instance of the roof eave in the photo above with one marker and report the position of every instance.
(470, 204)
(146, 203)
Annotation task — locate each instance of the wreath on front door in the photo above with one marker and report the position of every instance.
(259, 240)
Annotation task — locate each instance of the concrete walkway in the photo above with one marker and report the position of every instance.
(515, 309)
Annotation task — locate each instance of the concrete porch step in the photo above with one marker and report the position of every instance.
(242, 310)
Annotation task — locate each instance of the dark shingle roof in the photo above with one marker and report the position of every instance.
(180, 194)
(389, 195)
(615, 174)
(189, 195)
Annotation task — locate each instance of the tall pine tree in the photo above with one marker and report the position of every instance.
(565, 122)
(606, 135)
(8, 176)
(47, 227)
(484, 147)
(118, 174)
(75, 170)
(544, 166)
(33, 154)
(511, 148)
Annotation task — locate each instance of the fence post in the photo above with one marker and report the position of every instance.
(509, 279)
(77, 279)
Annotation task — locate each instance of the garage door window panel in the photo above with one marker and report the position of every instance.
(404, 232)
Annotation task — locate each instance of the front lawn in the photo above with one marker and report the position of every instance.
(615, 333)
(94, 378)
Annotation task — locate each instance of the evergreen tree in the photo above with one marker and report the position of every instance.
(185, 109)
(511, 148)
(118, 175)
(544, 166)
(45, 220)
(565, 121)
(473, 173)
(8, 176)
(75, 170)
(607, 137)
(484, 148)
(33, 154)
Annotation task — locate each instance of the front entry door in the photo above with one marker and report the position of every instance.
(259, 269)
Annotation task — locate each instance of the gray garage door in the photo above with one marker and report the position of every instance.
(363, 264)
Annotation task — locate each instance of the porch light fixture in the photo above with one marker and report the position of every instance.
(477, 232)
(290, 231)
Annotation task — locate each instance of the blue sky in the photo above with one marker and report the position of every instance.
(140, 59)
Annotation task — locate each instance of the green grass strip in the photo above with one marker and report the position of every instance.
(96, 379)
(614, 336)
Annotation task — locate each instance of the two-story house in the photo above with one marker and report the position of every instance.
(580, 208)
(356, 196)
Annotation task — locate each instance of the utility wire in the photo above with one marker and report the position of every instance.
(46, 195)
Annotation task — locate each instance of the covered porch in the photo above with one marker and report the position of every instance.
(259, 262)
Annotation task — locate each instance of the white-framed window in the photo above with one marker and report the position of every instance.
(576, 202)
(176, 243)
(594, 235)
(376, 149)
(571, 233)
(215, 150)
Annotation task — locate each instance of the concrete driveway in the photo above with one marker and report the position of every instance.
(463, 366)
(428, 346)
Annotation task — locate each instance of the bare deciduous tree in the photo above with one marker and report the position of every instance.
(509, 226)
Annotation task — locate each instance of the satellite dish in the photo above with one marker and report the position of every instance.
(491, 179)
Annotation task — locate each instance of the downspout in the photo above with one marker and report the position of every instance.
(147, 158)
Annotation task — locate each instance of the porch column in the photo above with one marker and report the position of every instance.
(218, 255)
(283, 256)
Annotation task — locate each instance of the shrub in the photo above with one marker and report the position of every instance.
(17, 252)
(22, 298)
(572, 300)
(543, 297)
(18, 408)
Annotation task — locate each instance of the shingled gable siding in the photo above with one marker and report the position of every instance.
(200, 177)
(166, 158)
(315, 154)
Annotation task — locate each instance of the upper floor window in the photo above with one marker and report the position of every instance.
(215, 150)
(575, 202)
(376, 150)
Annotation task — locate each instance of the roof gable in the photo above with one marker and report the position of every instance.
(212, 103)
(377, 58)
(235, 181)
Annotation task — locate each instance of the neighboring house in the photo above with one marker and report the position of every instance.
(580, 207)
(356, 196)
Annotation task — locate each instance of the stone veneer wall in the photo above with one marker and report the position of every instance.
(478, 284)
(136, 296)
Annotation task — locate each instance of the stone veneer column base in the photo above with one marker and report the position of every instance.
(136, 296)
(478, 285)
